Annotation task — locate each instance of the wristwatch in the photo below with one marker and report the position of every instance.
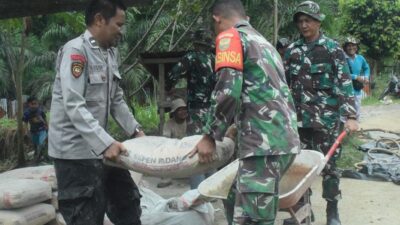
(137, 130)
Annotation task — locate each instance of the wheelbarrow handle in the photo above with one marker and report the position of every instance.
(335, 145)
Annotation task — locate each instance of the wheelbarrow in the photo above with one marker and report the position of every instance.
(294, 184)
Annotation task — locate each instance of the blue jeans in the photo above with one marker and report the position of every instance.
(197, 179)
(39, 142)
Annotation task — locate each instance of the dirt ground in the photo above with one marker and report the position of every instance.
(364, 202)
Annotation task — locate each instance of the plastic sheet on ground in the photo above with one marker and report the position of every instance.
(184, 210)
(381, 160)
(382, 165)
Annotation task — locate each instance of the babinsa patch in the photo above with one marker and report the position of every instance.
(229, 50)
(77, 65)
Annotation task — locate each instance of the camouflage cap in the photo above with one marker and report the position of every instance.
(351, 40)
(202, 37)
(309, 8)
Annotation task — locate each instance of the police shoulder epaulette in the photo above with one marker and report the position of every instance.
(229, 51)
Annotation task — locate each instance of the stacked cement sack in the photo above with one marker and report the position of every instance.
(35, 214)
(21, 201)
(44, 173)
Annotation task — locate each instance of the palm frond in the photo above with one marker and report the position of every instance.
(46, 60)
(42, 87)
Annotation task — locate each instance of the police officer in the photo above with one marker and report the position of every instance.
(322, 90)
(86, 93)
(252, 87)
(197, 67)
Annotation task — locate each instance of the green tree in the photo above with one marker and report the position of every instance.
(376, 24)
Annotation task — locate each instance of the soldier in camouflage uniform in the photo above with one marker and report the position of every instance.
(197, 67)
(322, 90)
(252, 91)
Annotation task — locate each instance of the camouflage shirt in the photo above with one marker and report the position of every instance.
(320, 82)
(258, 95)
(198, 68)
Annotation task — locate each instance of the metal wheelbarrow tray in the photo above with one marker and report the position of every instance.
(294, 184)
(299, 177)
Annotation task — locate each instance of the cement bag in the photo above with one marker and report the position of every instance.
(16, 193)
(32, 215)
(168, 157)
(107, 221)
(54, 200)
(44, 173)
(158, 211)
(59, 220)
(137, 177)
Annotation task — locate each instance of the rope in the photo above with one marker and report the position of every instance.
(393, 147)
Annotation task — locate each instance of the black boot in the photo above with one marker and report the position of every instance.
(332, 214)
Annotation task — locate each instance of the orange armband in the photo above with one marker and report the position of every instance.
(229, 50)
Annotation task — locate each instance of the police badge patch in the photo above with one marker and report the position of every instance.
(78, 62)
(76, 69)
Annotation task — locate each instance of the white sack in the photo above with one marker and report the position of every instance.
(158, 211)
(59, 220)
(16, 193)
(44, 173)
(39, 214)
(168, 157)
(54, 200)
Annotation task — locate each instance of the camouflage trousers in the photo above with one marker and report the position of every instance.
(321, 140)
(87, 189)
(197, 121)
(254, 198)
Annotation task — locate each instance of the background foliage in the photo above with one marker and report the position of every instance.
(166, 25)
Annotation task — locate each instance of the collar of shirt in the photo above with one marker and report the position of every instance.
(242, 23)
(350, 58)
(320, 41)
(90, 39)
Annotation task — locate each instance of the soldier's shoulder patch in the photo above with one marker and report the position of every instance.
(229, 50)
(77, 64)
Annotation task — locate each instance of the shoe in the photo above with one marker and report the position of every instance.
(164, 183)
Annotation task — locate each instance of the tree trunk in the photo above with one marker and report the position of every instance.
(275, 22)
(10, 111)
(18, 84)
